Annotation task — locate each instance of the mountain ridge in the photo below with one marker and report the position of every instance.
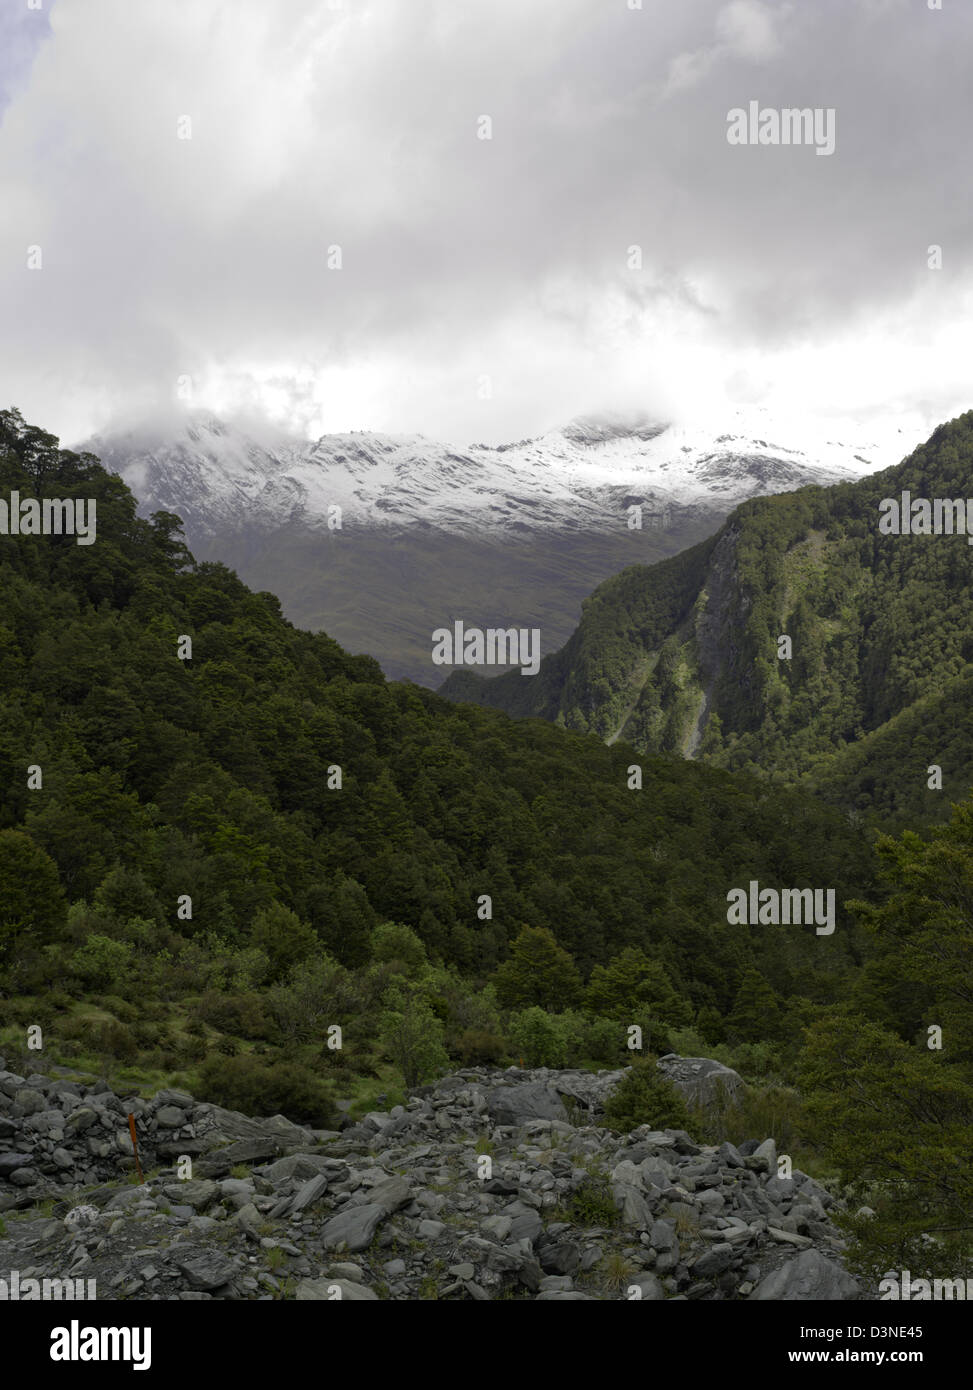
(380, 539)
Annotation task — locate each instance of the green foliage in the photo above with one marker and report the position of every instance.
(880, 686)
(631, 981)
(314, 905)
(645, 1097)
(32, 906)
(593, 1204)
(538, 972)
(101, 962)
(412, 1036)
(535, 1038)
(756, 1013)
(394, 942)
(255, 1086)
(282, 936)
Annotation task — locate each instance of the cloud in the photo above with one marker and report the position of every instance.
(486, 288)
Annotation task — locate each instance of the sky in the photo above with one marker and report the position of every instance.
(192, 173)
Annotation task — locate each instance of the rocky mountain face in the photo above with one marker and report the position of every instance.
(487, 1185)
(380, 539)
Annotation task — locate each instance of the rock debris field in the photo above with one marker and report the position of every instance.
(487, 1185)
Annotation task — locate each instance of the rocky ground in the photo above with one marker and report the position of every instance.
(488, 1185)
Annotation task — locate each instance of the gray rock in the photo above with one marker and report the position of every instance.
(205, 1269)
(633, 1206)
(714, 1261)
(302, 1166)
(526, 1225)
(701, 1080)
(559, 1257)
(431, 1230)
(650, 1290)
(809, 1276)
(311, 1191)
(550, 1295)
(197, 1193)
(353, 1228)
(662, 1235)
(391, 1194)
(9, 1163)
(767, 1154)
(532, 1100)
(24, 1177)
(28, 1101)
(81, 1119)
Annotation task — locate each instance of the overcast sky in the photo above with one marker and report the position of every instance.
(770, 274)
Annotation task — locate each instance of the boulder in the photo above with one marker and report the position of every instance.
(700, 1080)
(810, 1276)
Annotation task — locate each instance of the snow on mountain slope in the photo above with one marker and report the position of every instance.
(580, 478)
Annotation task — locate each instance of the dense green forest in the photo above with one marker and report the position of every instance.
(684, 658)
(208, 861)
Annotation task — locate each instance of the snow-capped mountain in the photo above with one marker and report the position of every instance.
(581, 477)
(512, 535)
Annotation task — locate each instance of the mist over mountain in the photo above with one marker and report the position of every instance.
(379, 539)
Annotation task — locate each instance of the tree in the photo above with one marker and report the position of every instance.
(645, 1097)
(283, 936)
(413, 1036)
(896, 1112)
(32, 906)
(631, 980)
(394, 942)
(755, 1016)
(535, 1037)
(538, 971)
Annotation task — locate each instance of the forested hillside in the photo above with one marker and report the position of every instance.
(685, 657)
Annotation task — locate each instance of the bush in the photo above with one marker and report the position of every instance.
(412, 1036)
(536, 1038)
(102, 962)
(394, 943)
(114, 1040)
(592, 1203)
(644, 1097)
(239, 1014)
(605, 1041)
(283, 938)
(477, 1047)
(259, 1088)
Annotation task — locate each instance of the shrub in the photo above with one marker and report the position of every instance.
(412, 1036)
(394, 943)
(260, 1088)
(283, 938)
(535, 1037)
(239, 1014)
(644, 1097)
(592, 1203)
(476, 1047)
(114, 1040)
(102, 962)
